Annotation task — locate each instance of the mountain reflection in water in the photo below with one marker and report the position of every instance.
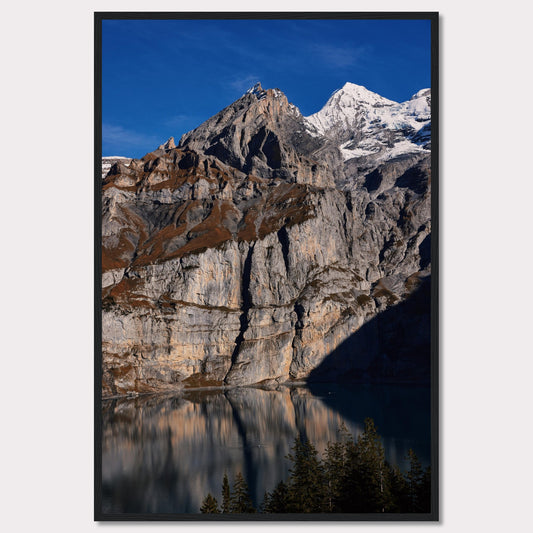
(163, 454)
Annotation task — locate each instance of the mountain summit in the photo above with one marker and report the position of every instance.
(263, 134)
(268, 247)
(366, 125)
(257, 90)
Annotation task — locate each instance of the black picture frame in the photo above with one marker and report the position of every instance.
(433, 17)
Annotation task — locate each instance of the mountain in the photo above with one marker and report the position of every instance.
(370, 129)
(109, 161)
(268, 246)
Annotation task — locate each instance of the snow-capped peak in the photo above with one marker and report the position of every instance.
(360, 94)
(344, 106)
(421, 93)
(383, 128)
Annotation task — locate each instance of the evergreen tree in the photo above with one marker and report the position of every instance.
(306, 490)
(353, 477)
(226, 495)
(265, 505)
(334, 469)
(366, 485)
(209, 505)
(414, 482)
(399, 490)
(277, 500)
(240, 501)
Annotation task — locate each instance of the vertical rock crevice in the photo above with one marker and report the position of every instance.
(246, 305)
(283, 237)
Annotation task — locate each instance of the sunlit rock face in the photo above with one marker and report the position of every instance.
(256, 249)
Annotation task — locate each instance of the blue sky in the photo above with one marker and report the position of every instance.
(162, 78)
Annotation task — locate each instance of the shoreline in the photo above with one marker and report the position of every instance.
(221, 388)
(286, 384)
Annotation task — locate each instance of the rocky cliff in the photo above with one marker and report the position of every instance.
(266, 240)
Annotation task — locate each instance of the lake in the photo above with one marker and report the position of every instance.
(163, 454)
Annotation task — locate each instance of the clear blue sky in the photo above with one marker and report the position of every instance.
(162, 78)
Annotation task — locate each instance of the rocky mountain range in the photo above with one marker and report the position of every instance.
(269, 247)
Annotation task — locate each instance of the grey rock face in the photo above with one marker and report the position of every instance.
(264, 135)
(253, 252)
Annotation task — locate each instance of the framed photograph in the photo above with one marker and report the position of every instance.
(266, 266)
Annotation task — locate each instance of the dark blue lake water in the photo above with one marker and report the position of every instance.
(163, 454)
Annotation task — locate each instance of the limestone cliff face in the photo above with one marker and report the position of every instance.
(253, 250)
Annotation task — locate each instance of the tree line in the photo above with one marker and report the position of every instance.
(351, 477)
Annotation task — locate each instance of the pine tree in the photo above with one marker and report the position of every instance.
(265, 505)
(399, 491)
(226, 495)
(353, 477)
(277, 500)
(240, 501)
(209, 505)
(366, 487)
(306, 490)
(414, 482)
(334, 469)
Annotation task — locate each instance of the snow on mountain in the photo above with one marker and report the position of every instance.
(365, 124)
(257, 90)
(109, 161)
(343, 107)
